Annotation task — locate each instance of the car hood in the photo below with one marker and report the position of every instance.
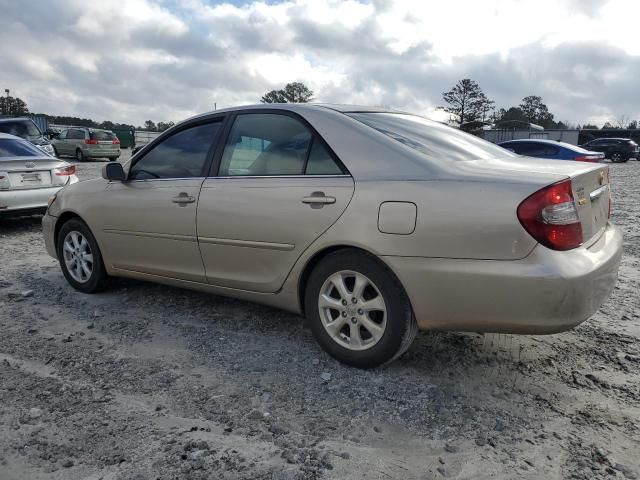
(39, 141)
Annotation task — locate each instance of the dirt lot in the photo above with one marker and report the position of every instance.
(146, 382)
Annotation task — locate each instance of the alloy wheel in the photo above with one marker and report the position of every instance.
(352, 310)
(78, 257)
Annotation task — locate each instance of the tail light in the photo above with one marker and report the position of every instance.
(588, 158)
(65, 171)
(116, 141)
(551, 217)
(91, 141)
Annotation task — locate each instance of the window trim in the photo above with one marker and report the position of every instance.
(213, 148)
(214, 171)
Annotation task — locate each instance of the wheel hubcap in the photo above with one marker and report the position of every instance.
(352, 310)
(78, 256)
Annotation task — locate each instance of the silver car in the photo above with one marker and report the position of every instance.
(372, 223)
(29, 177)
(87, 143)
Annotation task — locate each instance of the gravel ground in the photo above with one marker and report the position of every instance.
(151, 382)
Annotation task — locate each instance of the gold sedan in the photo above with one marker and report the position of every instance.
(372, 223)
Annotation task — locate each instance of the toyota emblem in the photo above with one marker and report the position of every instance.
(30, 165)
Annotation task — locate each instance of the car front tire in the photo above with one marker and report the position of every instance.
(80, 258)
(79, 155)
(358, 310)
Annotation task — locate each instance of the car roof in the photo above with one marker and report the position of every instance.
(569, 146)
(540, 140)
(297, 107)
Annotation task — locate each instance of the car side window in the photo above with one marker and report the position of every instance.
(182, 155)
(63, 135)
(75, 134)
(521, 148)
(320, 161)
(536, 149)
(265, 145)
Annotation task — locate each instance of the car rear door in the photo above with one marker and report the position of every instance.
(149, 220)
(276, 188)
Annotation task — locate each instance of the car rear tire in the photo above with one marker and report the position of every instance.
(358, 311)
(79, 155)
(616, 157)
(80, 258)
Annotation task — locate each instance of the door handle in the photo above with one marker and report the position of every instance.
(318, 200)
(183, 198)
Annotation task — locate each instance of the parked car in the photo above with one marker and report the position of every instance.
(85, 143)
(29, 177)
(371, 222)
(25, 128)
(615, 149)
(552, 150)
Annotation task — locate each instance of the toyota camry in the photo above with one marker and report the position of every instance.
(370, 222)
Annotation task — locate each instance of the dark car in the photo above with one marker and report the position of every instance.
(552, 150)
(25, 128)
(615, 149)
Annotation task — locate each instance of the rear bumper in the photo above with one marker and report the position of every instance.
(101, 152)
(546, 292)
(13, 201)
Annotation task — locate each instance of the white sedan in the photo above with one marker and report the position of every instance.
(29, 177)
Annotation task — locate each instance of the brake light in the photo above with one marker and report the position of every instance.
(551, 217)
(65, 171)
(91, 141)
(116, 141)
(587, 158)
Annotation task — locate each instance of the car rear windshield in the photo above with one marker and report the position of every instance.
(100, 135)
(431, 138)
(20, 128)
(16, 148)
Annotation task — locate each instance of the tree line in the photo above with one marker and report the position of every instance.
(472, 108)
(466, 101)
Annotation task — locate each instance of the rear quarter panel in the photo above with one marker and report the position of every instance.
(454, 220)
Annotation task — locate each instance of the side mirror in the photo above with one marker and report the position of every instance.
(136, 149)
(113, 172)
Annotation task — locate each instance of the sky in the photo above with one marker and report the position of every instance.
(133, 60)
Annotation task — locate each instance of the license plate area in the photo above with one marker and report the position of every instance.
(30, 179)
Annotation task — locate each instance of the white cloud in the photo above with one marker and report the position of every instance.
(132, 60)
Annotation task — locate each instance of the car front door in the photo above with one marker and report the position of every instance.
(277, 188)
(60, 143)
(598, 146)
(149, 222)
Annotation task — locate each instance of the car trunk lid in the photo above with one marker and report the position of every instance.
(592, 195)
(27, 173)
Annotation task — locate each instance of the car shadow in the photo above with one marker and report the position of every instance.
(17, 224)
